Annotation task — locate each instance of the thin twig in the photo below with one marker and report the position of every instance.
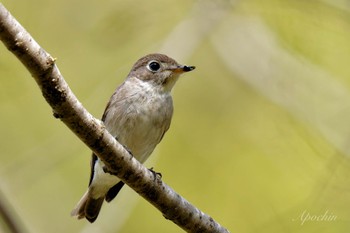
(7, 214)
(91, 131)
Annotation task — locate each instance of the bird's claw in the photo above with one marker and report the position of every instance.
(126, 148)
(155, 174)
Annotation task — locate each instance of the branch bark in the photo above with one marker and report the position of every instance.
(92, 132)
(8, 216)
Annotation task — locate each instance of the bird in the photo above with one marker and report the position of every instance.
(138, 114)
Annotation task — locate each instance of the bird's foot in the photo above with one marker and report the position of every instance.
(155, 174)
(128, 150)
(125, 147)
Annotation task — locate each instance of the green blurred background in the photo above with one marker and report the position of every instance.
(260, 138)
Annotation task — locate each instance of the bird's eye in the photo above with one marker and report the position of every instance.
(153, 66)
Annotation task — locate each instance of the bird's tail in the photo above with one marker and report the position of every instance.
(88, 207)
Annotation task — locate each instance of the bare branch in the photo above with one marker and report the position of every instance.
(9, 217)
(92, 132)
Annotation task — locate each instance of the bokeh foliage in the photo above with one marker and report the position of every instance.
(260, 133)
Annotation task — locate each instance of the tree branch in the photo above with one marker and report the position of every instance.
(92, 132)
(10, 220)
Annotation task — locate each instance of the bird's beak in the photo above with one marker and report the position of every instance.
(182, 69)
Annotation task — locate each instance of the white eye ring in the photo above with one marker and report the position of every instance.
(153, 66)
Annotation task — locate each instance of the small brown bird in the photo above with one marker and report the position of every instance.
(138, 114)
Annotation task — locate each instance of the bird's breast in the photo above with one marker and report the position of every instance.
(140, 121)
